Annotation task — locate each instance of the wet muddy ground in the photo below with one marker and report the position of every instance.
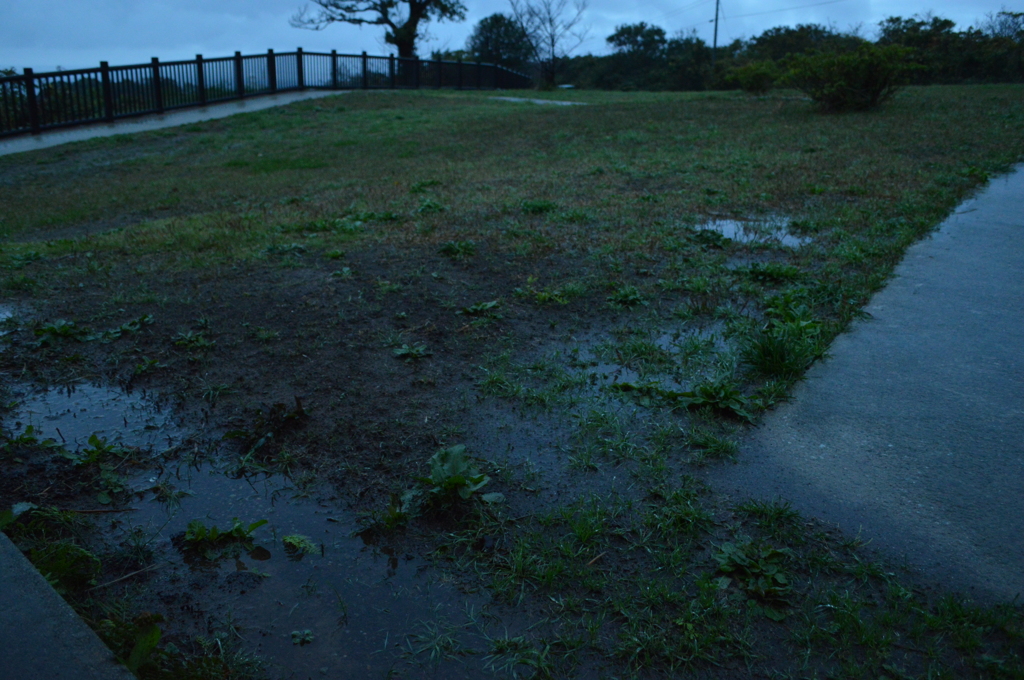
(158, 409)
(291, 402)
(266, 588)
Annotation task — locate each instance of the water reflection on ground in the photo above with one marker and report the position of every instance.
(769, 230)
(71, 414)
(6, 314)
(363, 604)
(360, 602)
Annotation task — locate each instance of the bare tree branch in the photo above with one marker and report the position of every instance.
(553, 30)
(401, 18)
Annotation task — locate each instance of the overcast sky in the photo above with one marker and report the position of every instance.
(45, 34)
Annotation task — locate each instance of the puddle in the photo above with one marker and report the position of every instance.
(72, 414)
(689, 348)
(533, 448)
(362, 603)
(756, 231)
(359, 601)
(6, 312)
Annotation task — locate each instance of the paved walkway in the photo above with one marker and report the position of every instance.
(157, 122)
(913, 431)
(43, 639)
(550, 102)
(127, 126)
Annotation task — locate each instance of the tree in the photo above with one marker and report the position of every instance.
(638, 61)
(499, 39)
(553, 30)
(689, 60)
(401, 18)
(1006, 31)
(1004, 24)
(780, 42)
(639, 40)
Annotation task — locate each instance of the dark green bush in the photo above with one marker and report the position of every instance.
(757, 77)
(853, 81)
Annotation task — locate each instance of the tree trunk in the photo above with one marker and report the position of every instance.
(404, 37)
(406, 48)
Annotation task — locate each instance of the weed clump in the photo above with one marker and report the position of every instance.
(297, 545)
(758, 568)
(411, 353)
(627, 295)
(788, 343)
(458, 250)
(454, 477)
(717, 396)
(539, 207)
(211, 542)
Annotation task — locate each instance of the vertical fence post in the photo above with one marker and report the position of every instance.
(239, 76)
(366, 76)
(334, 69)
(440, 73)
(33, 103)
(271, 71)
(201, 79)
(458, 75)
(158, 90)
(108, 91)
(416, 72)
(391, 70)
(300, 74)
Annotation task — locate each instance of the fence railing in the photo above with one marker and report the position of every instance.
(34, 102)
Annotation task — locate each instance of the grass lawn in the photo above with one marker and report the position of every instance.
(594, 301)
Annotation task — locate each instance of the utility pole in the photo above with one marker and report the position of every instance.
(714, 44)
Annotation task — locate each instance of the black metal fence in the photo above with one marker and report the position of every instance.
(34, 102)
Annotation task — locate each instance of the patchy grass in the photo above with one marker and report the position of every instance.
(426, 271)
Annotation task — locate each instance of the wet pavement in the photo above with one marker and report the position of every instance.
(43, 637)
(156, 122)
(552, 102)
(912, 432)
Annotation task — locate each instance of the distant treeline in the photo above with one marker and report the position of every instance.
(644, 57)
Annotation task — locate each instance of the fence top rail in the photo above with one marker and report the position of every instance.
(56, 74)
(95, 70)
(128, 67)
(378, 56)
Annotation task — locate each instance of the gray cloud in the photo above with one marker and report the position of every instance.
(74, 34)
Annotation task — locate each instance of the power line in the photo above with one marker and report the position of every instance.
(687, 8)
(786, 9)
(741, 16)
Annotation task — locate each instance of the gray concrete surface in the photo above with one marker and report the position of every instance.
(552, 102)
(912, 433)
(43, 639)
(156, 122)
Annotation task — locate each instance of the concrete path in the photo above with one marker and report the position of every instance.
(43, 639)
(913, 431)
(552, 102)
(157, 122)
